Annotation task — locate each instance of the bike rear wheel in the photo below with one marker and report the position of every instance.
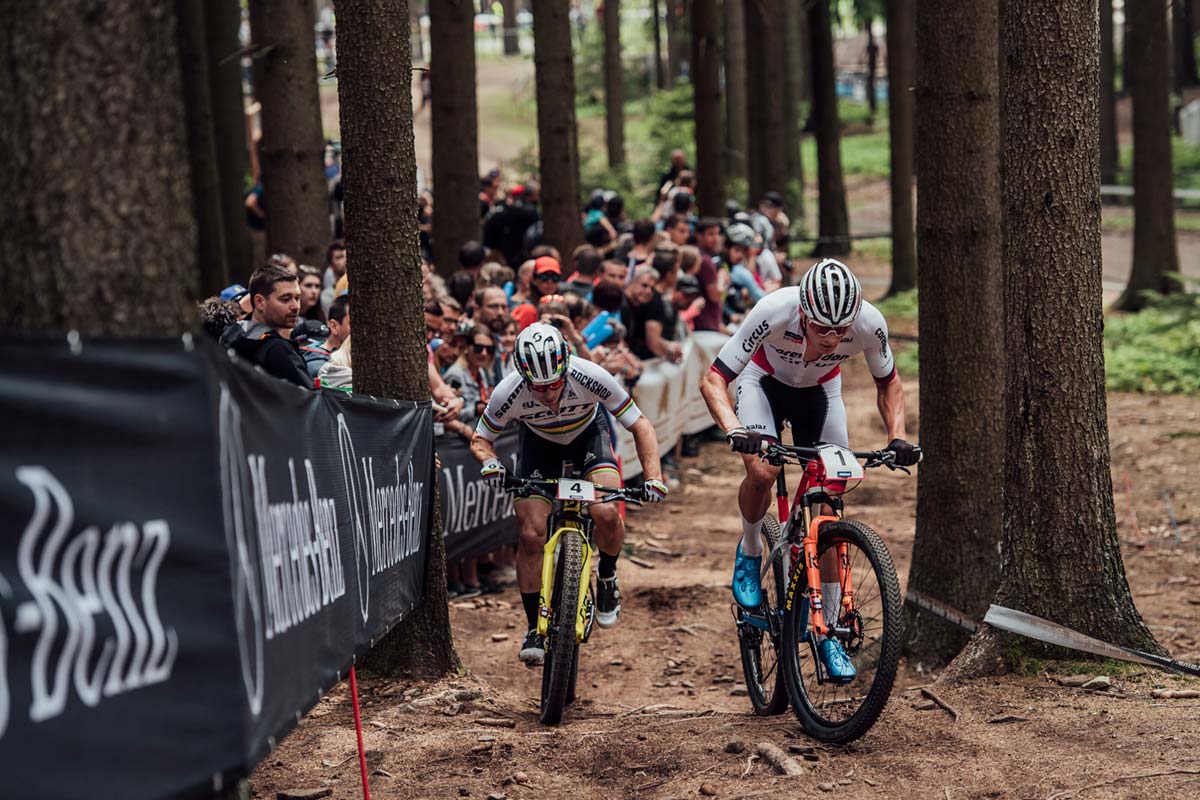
(561, 662)
(842, 712)
(760, 648)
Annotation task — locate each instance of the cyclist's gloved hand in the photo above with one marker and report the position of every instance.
(907, 453)
(655, 491)
(744, 441)
(493, 471)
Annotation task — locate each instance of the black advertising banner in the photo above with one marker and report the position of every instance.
(192, 553)
(477, 516)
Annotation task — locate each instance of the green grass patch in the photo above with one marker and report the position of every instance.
(1157, 349)
(902, 306)
(1185, 222)
(865, 154)
(1185, 161)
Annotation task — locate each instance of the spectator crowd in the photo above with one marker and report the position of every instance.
(632, 293)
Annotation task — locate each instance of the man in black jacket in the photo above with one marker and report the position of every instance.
(265, 337)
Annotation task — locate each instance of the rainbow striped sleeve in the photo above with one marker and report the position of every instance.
(487, 428)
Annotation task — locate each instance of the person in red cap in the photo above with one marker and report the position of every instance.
(547, 273)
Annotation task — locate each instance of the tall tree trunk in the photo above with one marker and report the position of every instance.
(512, 34)
(656, 26)
(293, 146)
(223, 18)
(1184, 45)
(98, 233)
(380, 182)
(736, 112)
(1110, 157)
(453, 130)
(202, 149)
(558, 152)
(901, 44)
(1155, 257)
(706, 91)
(1061, 558)
(764, 64)
(833, 219)
(961, 343)
(673, 39)
(872, 69)
(614, 84)
(793, 58)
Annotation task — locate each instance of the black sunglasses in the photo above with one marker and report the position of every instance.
(546, 276)
(483, 348)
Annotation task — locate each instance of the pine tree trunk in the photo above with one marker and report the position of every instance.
(1155, 256)
(512, 34)
(98, 233)
(454, 130)
(614, 84)
(558, 153)
(656, 26)
(793, 58)
(292, 149)
(901, 43)
(673, 37)
(202, 149)
(380, 182)
(1061, 557)
(1109, 152)
(766, 156)
(872, 69)
(706, 91)
(736, 112)
(1184, 47)
(223, 18)
(833, 219)
(961, 343)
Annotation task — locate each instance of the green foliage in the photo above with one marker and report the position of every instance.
(637, 69)
(1157, 349)
(865, 154)
(899, 307)
(1185, 160)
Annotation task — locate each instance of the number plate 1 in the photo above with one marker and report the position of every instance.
(576, 490)
(840, 463)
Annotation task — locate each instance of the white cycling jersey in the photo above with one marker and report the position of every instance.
(587, 385)
(773, 337)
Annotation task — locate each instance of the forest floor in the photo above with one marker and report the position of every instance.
(660, 711)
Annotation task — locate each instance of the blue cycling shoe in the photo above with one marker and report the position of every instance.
(747, 588)
(837, 664)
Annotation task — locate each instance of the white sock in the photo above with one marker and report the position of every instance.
(831, 602)
(752, 543)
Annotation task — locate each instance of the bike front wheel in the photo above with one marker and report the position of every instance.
(759, 636)
(842, 712)
(562, 648)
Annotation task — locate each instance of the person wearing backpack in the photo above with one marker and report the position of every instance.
(265, 337)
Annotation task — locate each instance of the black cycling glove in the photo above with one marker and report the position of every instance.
(744, 441)
(907, 453)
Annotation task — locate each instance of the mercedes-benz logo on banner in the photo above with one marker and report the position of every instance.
(237, 503)
(358, 512)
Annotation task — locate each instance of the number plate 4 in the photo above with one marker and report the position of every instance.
(840, 463)
(577, 490)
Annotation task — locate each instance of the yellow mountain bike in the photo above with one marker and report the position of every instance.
(567, 606)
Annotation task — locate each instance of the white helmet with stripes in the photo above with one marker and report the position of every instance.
(830, 294)
(541, 354)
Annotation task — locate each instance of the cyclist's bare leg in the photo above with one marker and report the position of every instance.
(532, 514)
(754, 498)
(610, 528)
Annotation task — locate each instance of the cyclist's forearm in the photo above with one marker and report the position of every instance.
(716, 396)
(482, 449)
(890, 400)
(646, 443)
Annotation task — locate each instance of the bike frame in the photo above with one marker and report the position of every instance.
(568, 518)
(814, 489)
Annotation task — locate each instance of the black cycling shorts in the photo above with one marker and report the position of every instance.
(816, 413)
(542, 459)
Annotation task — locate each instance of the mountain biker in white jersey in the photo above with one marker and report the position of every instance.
(556, 398)
(788, 354)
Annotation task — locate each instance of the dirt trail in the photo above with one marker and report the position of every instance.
(658, 701)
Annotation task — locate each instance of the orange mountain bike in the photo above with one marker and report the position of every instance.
(818, 554)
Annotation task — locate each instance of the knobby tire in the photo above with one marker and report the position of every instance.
(561, 659)
(796, 624)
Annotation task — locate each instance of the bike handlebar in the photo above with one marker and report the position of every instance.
(542, 487)
(777, 453)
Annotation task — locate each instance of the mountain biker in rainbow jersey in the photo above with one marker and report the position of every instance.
(556, 400)
(786, 358)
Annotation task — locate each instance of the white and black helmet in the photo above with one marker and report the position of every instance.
(830, 294)
(541, 354)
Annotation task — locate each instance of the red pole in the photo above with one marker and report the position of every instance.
(362, 755)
